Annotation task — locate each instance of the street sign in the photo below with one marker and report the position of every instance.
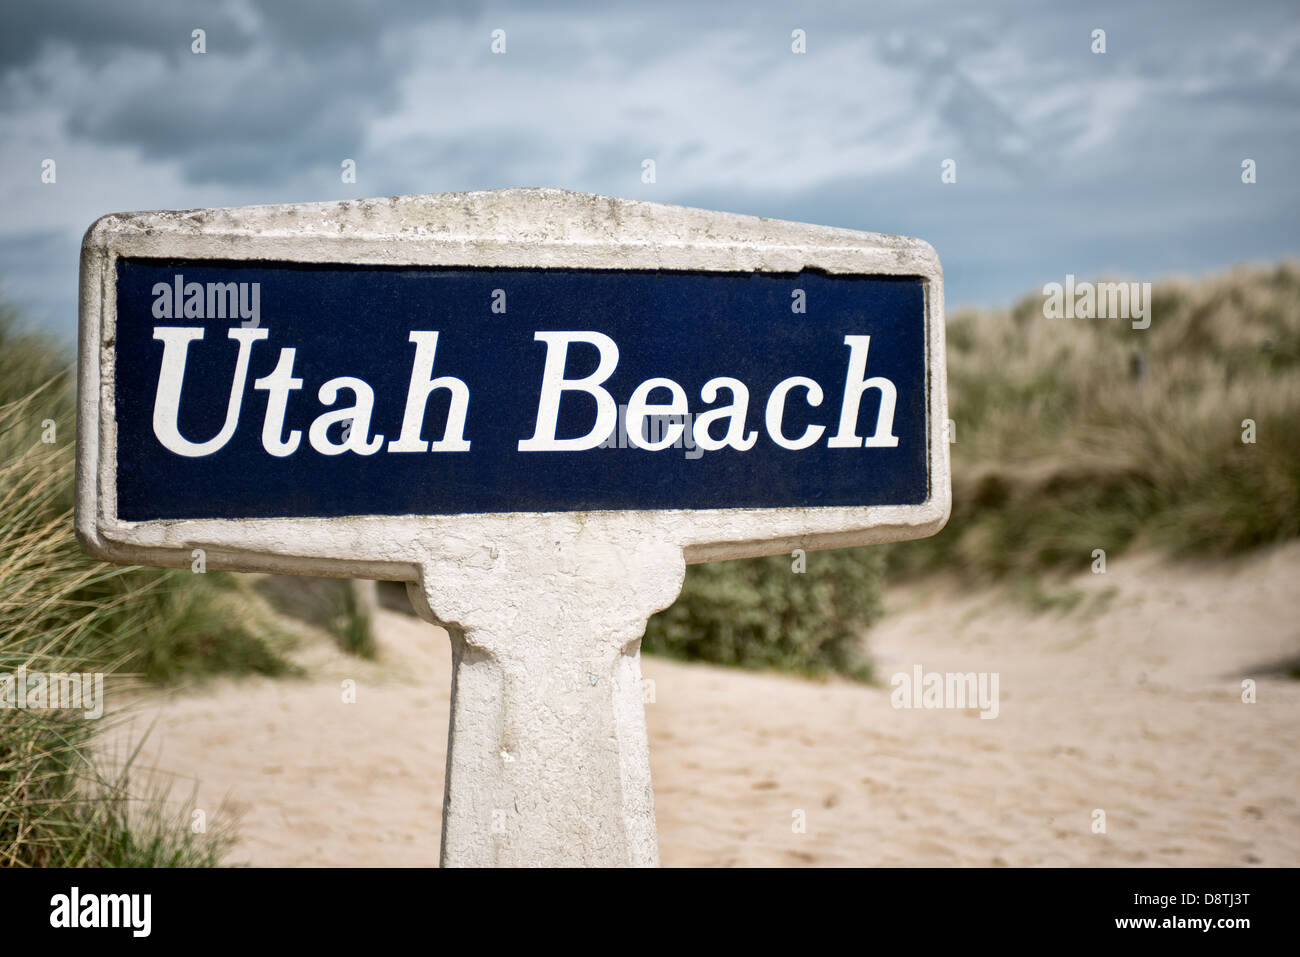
(714, 392)
(524, 402)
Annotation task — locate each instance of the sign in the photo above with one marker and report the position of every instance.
(531, 404)
(275, 390)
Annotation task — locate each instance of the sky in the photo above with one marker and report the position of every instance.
(1122, 164)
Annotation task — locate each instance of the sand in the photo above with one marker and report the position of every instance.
(1129, 704)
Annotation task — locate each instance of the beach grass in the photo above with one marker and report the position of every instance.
(64, 612)
(1074, 435)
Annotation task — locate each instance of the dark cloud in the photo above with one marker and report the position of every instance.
(316, 27)
(98, 30)
(293, 85)
(275, 117)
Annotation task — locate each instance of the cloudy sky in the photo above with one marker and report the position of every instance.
(1126, 163)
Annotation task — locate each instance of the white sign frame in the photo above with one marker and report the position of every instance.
(536, 228)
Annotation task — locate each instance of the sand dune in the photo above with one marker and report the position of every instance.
(1130, 704)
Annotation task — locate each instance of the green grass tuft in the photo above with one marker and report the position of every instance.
(61, 611)
(761, 613)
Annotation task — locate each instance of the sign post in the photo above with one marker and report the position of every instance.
(534, 406)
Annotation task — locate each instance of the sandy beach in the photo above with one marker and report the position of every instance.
(1130, 704)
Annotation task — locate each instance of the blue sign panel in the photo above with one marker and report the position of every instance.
(281, 390)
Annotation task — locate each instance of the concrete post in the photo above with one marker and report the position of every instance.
(547, 759)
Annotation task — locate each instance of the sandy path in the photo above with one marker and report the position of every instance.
(1133, 707)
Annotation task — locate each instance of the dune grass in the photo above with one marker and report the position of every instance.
(339, 607)
(61, 611)
(1079, 434)
(802, 613)
(352, 622)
